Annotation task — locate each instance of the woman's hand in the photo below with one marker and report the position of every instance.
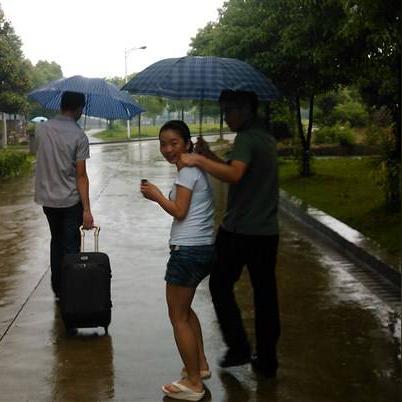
(150, 191)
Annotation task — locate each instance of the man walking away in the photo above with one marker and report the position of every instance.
(61, 181)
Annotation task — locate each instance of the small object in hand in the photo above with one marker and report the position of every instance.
(143, 181)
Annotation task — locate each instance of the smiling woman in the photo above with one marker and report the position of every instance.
(174, 142)
(191, 244)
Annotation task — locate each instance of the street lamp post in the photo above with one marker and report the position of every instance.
(126, 52)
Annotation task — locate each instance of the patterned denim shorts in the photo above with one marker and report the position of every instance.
(189, 265)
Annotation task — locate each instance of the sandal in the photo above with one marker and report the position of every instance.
(184, 393)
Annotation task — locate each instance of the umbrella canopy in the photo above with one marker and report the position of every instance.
(38, 119)
(196, 77)
(103, 99)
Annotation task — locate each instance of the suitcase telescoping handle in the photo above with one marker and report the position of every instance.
(96, 237)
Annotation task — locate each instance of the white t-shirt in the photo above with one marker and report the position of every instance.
(197, 228)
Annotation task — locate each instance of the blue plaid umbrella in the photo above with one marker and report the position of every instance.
(196, 77)
(102, 98)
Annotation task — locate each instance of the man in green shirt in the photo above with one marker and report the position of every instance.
(249, 232)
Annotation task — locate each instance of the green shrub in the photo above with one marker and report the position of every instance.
(351, 112)
(13, 163)
(30, 128)
(378, 129)
(374, 135)
(337, 134)
(324, 135)
(346, 137)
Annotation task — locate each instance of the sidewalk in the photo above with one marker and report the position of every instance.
(339, 342)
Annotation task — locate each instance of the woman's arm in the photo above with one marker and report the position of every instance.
(178, 208)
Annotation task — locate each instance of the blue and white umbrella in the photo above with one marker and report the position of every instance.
(103, 99)
(199, 77)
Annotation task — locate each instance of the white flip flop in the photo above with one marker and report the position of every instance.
(184, 394)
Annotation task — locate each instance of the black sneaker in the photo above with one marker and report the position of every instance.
(268, 371)
(231, 359)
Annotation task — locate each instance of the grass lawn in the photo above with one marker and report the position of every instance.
(344, 188)
(120, 133)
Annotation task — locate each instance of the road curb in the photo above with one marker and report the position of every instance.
(346, 240)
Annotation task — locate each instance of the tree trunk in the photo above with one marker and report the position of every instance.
(310, 121)
(305, 169)
(393, 192)
(4, 135)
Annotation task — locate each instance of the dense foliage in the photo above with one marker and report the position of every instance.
(13, 163)
(14, 70)
(309, 48)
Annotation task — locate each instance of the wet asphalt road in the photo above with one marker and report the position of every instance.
(340, 342)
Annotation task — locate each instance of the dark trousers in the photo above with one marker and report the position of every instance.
(258, 253)
(64, 226)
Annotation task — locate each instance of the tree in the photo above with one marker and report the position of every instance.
(310, 47)
(44, 72)
(288, 41)
(41, 74)
(14, 70)
(203, 44)
(14, 77)
(376, 26)
(153, 105)
(118, 81)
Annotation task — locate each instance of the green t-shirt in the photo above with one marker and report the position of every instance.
(253, 201)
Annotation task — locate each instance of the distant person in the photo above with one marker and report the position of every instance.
(61, 181)
(249, 232)
(190, 202)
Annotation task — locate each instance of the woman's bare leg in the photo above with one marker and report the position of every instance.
(195, 325)
(179, 303)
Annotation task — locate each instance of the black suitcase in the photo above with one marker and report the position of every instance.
(85, 299)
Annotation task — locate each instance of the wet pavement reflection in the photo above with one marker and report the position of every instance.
(340, 341)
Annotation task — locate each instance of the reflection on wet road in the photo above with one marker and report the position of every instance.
(339, 342)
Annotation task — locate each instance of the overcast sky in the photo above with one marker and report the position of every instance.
(89, 37)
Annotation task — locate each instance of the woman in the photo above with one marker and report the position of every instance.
(191, 243)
